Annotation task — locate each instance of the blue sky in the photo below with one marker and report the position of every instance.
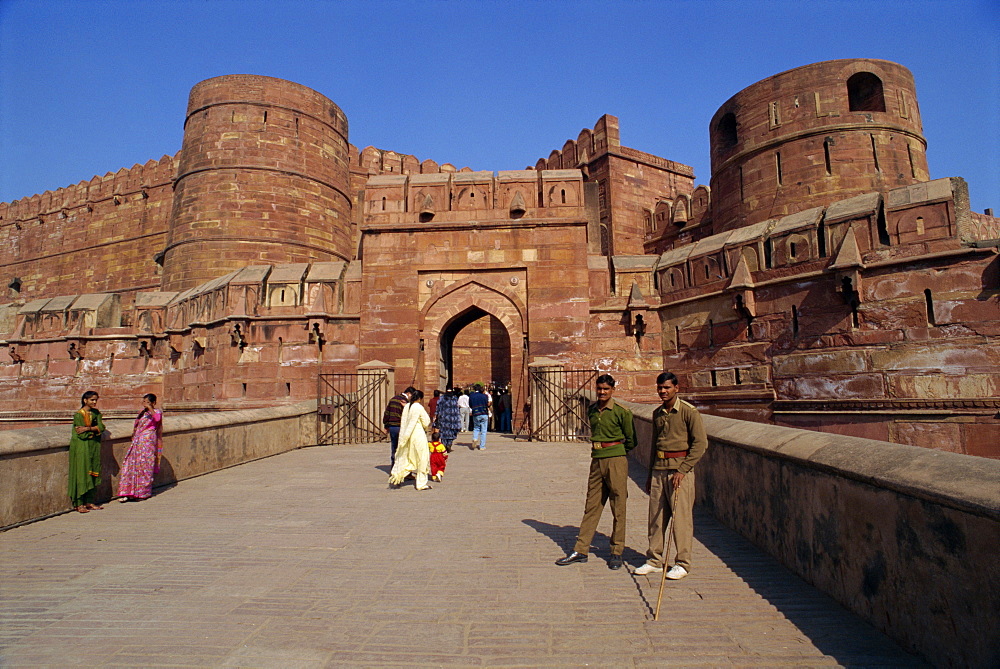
(90, 86)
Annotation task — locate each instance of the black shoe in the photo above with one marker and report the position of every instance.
(615, 562)
(571, 558)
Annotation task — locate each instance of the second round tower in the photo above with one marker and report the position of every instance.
(812, 135)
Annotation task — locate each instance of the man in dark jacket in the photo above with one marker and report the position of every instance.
(391, 417)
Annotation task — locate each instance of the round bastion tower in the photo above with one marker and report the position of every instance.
(262, 179)
(813, 135)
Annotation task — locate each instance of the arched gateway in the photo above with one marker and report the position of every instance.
(443, 318)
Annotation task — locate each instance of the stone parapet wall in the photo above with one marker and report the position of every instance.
(34, 461)
(904, 537)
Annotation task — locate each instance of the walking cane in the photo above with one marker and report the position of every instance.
(666, 550)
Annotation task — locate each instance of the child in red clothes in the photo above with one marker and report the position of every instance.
(439, 458)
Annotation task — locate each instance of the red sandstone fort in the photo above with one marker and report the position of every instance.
(820, 281)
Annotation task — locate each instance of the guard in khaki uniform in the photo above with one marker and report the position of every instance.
(612, 430)
(679, 441)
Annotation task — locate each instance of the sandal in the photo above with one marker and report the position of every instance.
(83, 509)
(95, 507)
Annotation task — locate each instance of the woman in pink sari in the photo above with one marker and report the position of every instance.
(143, 458)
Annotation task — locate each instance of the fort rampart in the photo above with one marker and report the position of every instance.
(96, 236)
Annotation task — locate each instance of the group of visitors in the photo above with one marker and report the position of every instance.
(141, 462)
(421, 439)
(678, 443)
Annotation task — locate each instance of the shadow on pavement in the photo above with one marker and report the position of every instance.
(564, 537)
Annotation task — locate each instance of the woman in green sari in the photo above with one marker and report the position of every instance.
(85, 454)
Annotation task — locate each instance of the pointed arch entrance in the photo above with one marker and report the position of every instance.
(495, 315)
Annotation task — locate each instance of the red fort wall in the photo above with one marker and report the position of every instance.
(100, 235)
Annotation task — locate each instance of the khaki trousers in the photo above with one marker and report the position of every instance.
(661, 508)
(608, 480)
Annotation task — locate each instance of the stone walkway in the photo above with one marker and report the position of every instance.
(308, 560)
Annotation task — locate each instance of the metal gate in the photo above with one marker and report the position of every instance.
(559, 400)
(350, 407)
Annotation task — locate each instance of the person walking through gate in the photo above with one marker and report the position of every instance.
(414, 455)
(463, 408)
(679, 441)
(391, 419)
(479, 404)
(506, 411)
(612, 432)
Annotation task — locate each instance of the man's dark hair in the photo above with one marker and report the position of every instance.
(667, 376)
(437, 393)
(606, 379)
(416, 396)
(410, 390)
(478, 387)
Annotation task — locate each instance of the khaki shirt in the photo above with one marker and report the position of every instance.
(679, 429)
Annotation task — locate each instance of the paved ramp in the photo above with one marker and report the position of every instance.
(308, 560)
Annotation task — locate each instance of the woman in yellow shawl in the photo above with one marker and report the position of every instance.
(413, 454)
(85, 454)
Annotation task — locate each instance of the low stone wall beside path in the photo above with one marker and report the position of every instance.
(34, 461)
(905, 537)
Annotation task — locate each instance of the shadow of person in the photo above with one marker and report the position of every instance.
(384, 468)
(166, 478)
(110, 469)
(564, 536)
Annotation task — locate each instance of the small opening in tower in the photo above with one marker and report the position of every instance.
(677, 338)
(826, 155)
(265, 117)
(929, 304)
(875, 154)
(715, 378)
(726, 131)
(711, 333)
(864, 93)
(909, 155)
(563, 193)
(795, 322)
(882, 227)
(288, 389)
(244, 390)
(777, 165)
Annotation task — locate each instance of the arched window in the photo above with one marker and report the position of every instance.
(864, 93)
(726, 131)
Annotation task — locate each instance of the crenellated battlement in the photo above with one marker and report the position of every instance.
(121, 187)
(374, 161)
(456, 196)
